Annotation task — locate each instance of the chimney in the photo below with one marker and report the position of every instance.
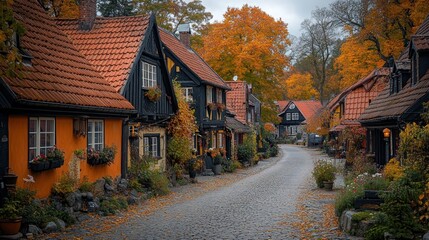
(87, 14)
(185, 34)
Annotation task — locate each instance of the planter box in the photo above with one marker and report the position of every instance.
(56, 163)
(37, 167)
(367, 204)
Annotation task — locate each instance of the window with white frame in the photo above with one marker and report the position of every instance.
(151, 145)
(96, 134)
(148, 75)
(209, 94)
(295, 116)
(41, 135)
(188, 94)
(219, 98)
(220, 140)
(287, 116)
(292, 130)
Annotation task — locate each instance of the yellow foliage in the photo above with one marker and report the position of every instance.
(393, 170)
(319, 123)
(355, 61)
(299, 86)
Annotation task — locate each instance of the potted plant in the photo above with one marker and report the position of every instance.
(153, 93)
(10, 217)
(211, 106)
(105, 156)
(221, 107)
(217, 164)
(55, 156)
(324, 174)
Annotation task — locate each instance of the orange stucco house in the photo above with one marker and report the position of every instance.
(58, 100)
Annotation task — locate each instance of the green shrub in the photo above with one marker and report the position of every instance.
(244, 153)
(85, 185)
(67, 184)
(111, 206)
(159, 183)
(377, 231)
(323, 171)
(361, 216)
(273, 151)
(345, 199)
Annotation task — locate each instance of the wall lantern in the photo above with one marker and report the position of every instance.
(386, 133)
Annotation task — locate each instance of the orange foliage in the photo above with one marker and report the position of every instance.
(62, 8)
(183, 123)
(319, 123)
(356, 61)
(299, 87)
(269, 127)
(252, 45)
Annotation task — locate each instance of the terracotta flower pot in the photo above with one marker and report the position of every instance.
(10, 226)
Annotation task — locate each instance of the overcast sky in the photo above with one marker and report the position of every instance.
(292, 12)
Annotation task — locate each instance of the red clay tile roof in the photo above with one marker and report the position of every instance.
(111, 46)
(282, 104)
(236, 99)
(59, 72)
(191, 59)
(308, 108)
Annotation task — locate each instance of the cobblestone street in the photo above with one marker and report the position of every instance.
(268, 201)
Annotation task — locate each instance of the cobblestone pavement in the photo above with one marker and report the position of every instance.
(275, 200)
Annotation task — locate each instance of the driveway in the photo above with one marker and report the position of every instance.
(255, 205)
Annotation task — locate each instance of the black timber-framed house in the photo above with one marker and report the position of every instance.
(202, 87)
(401, 102)
(128, 53)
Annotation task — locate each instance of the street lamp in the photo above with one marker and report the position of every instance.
(386, 134)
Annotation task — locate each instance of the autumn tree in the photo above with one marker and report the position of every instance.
(299, 86)
(61, 8)
(181, 128)
(356, 61)
(319, 43)
(114, 8)
(319, 122)
(386, 25)
(10, 28)
(170, 14)
(251, 45)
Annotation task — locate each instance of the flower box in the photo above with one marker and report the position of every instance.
(98, 157)
(56, 163)
(39, 166)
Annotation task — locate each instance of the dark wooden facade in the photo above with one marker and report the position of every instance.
(286, 124)
(152, 53)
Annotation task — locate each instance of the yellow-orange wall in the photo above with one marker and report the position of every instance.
(66, 141)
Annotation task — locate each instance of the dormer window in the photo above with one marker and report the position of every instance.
(148, 75)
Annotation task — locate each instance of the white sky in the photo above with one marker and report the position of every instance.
(292, 12)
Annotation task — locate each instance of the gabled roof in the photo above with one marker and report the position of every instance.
(307, 107)
(237, 126)
(282, 104)
(236, 99)
(191, 59)
(59, 74)
(358, 96)
(111, 45)
(393, 106)
(420, 43)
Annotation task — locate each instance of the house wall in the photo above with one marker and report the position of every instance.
(66, 141)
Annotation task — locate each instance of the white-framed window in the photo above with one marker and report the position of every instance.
(41, 135)
(219, 98)
(287, 116)
(96, 134)
(292, 130)
(209, 94)
(220, 140)
(188, 94)
(295, 116)
(151, 145)
(148, 75)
